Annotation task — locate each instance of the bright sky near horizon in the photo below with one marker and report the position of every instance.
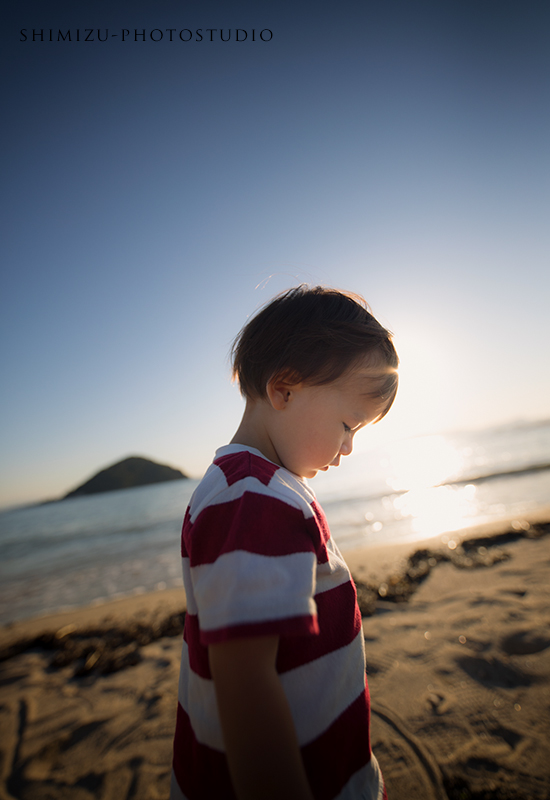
(156, 193)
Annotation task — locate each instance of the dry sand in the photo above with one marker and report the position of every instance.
(458, 676)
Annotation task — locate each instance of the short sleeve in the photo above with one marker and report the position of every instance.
(252, 567)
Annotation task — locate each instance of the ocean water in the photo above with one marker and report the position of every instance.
(90, 549)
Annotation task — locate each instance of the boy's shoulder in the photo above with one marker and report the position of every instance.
(237, 470)
(241, 464)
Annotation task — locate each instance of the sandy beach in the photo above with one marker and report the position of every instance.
(458, 657)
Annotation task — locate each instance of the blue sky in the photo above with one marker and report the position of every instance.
(156, 193)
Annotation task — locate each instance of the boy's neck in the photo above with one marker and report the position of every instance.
(254, 430)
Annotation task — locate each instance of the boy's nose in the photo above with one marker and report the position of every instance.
(347, 446)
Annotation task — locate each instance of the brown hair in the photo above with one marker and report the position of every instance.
(312, 335)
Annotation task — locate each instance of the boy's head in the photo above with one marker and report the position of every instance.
(314, 336)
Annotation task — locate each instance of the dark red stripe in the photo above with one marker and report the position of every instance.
(291, 626)
(255, 523)
(342, 750)
(321, 521)
(201, 771)
(186, 524)
(197, 642)
(330, 760)
(237, 466)
(198, 655)
(339, 621)
(299, 642)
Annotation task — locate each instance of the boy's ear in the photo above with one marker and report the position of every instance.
(279, 392)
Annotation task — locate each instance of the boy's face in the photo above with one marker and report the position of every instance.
(318, 423)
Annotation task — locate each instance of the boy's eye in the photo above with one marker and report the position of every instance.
(347, 428)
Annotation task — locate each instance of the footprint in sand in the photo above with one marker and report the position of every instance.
(493, 672)
(525, 642)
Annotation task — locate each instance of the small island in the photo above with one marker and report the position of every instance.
(132, 471)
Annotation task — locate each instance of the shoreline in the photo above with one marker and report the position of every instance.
(373, 563)
(458, 662)
(367, 564)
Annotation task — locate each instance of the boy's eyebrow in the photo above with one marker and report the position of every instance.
(361, 420)
(358, 427)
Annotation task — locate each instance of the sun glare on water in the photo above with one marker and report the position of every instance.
(417, 469)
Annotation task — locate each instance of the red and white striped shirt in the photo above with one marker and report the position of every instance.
(258, 559)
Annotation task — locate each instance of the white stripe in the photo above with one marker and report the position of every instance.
(330, 578)
(314, 708)
(366, 784)
(188, 586)
(334, 572)
(197, 697)
(175, 791)
(213, 484)
(216, 491)
(289, 486)
(242, 587)
(283, 476)
(301, 685)
(329, 575)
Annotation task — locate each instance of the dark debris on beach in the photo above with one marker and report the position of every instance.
(106, 649)
(482, 551)
(457, 788)
(98, 651)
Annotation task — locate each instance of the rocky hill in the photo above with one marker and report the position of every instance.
(133, 471)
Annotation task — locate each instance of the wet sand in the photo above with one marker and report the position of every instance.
(458, 658)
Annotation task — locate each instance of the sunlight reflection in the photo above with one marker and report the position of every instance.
(437, 509)
(418, 467)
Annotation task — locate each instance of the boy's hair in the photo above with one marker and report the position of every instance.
(313, 335)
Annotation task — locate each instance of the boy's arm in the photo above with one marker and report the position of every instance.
(259, 734)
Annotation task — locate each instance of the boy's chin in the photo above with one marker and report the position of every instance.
(316, 470)
(313, 471)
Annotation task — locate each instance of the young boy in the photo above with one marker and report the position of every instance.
(273, 700)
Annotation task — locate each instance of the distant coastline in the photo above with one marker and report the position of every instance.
(129, 473)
